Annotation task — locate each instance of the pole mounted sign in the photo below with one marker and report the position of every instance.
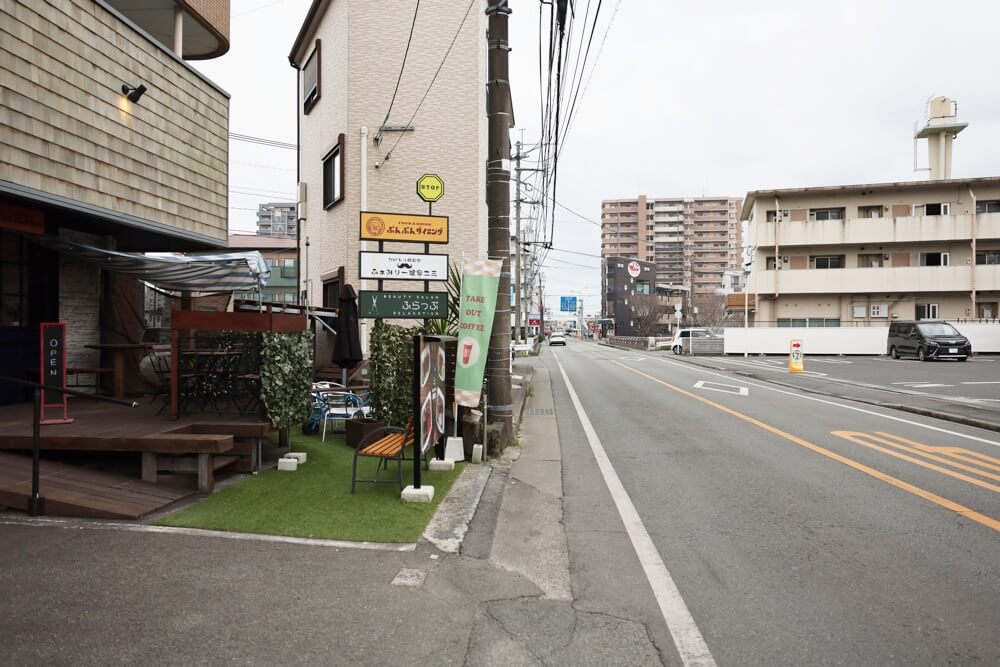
(403, 227)
(403, 266)
(796, 356)
(403, 305)
(567, 304)
(430, 187)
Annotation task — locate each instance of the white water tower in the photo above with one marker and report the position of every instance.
(940, 131)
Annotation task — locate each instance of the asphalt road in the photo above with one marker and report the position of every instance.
(797, 529)
(976, 380)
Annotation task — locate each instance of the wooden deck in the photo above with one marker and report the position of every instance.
(76, 491)
(198, 444)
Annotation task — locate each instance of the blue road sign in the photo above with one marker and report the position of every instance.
(567, 304)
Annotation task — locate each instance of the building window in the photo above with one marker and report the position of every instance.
(934, 259)
(880, 310)
(927, 311)
(772, 216)
(13, 281)
(870, 260)
(333, 175)
(870, 211)
(770, 264)
(827, 261)
(826, 213)
(809, 322)
(310, 80)
(988, 257)
(992, 206)
(932, 209)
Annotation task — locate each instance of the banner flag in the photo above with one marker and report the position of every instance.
(480, 282)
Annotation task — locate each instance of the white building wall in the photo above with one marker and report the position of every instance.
(362, 50)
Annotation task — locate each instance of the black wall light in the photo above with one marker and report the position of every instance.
(133, 92)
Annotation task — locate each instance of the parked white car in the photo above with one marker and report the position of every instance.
(682, 339)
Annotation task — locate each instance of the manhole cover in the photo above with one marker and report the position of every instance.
(541, 412)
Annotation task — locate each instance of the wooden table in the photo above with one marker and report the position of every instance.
(118, 351)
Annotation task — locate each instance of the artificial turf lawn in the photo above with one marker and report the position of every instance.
(316, 501)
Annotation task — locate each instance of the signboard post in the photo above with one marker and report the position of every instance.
(403, 227)
(796, 356)
(430, 188)
(52, 371)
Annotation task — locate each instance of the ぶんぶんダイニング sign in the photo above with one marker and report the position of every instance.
(404, 227)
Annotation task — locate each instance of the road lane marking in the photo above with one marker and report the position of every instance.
(954, 452)
(877, 474)
(990, 382)
(687, 637)
(740, 391)
(767, 367)
(922, 384)
(868, 440)
(835, 404)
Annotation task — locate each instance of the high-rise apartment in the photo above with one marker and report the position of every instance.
(277, 219)
(692, 240)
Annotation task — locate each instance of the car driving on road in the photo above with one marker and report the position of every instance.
(927, 340)
(557, 338)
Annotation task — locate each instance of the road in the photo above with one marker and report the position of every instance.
(783, 527)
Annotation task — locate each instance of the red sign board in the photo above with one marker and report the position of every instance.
(52, 370)
(534, 322)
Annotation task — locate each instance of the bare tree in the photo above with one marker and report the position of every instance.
(712, 310)
(647, 309)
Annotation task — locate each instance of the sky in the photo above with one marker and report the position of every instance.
(714, 97)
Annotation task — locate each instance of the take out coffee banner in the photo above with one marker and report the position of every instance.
(480, 282)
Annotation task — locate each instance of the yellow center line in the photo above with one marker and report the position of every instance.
(877, 474)
(867, 440)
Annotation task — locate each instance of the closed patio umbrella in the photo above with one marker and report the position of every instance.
(347, 349)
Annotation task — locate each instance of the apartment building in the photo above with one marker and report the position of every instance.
(112, 141)
(278, 219)
(363, 145)
(280, 253)
(692, 240)
(866, 254)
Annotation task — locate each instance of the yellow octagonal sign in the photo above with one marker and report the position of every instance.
(430, 187)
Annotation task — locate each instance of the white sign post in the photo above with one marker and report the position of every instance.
(403, 266)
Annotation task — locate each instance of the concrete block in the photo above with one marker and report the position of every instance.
(454, 450)
(285, 463)
(298, 456)
(424, 494)
(477, 453)
(441, 464)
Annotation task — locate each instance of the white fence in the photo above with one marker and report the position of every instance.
(841, 340)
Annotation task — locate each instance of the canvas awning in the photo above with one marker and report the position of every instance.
(222, 272)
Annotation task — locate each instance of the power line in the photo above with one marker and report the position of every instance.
(261, 141)
(378, 137)
(431, 84)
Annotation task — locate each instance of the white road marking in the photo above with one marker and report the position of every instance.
(990, 382)
(768, 367)
(741, 391)
(830, 361)
(922, 385)
(839, 405)
(78, 524)
(687, 638)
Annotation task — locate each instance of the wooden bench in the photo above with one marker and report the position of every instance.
(385, 444)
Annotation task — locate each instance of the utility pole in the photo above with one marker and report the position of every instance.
(500, 424)
(517, 242)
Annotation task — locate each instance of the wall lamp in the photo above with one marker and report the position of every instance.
(133, 92)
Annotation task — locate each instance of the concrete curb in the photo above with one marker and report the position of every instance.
(912, 409)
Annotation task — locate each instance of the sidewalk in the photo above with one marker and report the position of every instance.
(939, 408)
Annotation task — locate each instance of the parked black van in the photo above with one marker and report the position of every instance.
(927, 340)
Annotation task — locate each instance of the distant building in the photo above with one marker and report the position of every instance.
(869, 253)
(281, 255)
(692, 240)
(277, 219)
(627, 285)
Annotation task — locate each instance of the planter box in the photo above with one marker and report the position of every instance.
(355, 430)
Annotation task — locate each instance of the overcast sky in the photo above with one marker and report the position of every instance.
(687, 98)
